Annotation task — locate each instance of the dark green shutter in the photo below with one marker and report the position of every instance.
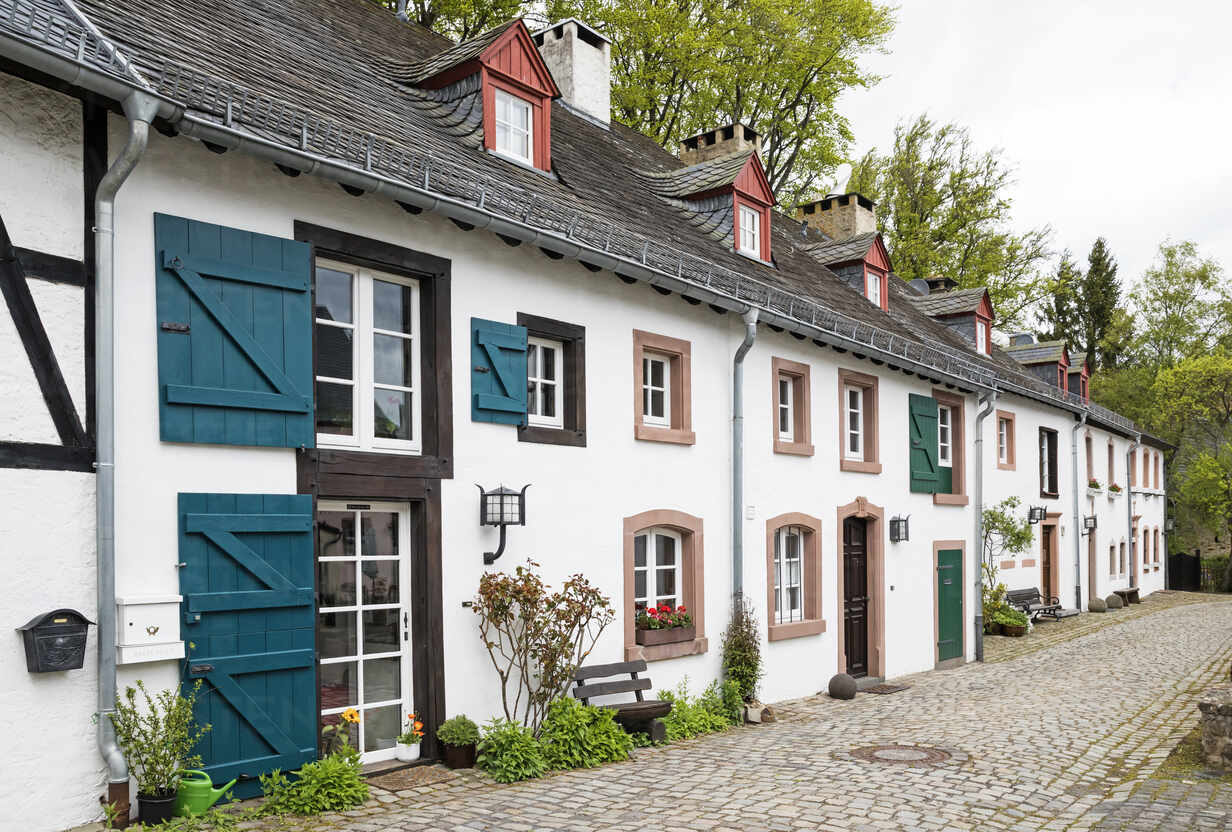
(498, 372)
(922, 415)
(246, 574)
(234, 336)
(949, 604)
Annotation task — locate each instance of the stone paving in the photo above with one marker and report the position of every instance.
(1062, 738)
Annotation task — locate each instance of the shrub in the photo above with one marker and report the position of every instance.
(509, 752)
(458, 730)
(330, 784)
(157, 738)
(691, 717)
(582, 736)
(742, 651)
(1011, 617)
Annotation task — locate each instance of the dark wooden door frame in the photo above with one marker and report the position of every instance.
(875, 542)
(855, 623)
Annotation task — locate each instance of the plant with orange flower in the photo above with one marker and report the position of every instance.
(413, 732)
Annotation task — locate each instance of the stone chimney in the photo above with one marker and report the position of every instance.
(579, 59)
(938, 283)
(721, 141)
(840, 216)
(1020, 338)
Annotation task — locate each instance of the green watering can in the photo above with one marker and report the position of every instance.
(197, 793)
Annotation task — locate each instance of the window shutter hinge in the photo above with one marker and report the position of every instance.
(174, 326)
(480, 369)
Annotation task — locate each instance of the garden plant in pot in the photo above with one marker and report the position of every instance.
(458, 737)
(157, 736)
(407, 744)
(1012, 621)
(664, 624)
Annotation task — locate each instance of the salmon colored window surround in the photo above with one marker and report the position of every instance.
(692, 591)
(678, 352)
(796, 375)
(1005, 440)
(812, 623)
(958, 457)
(867, 385)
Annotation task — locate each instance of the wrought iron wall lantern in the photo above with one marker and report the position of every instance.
(1035, 514)
(1089, 524)
(1169, 524)
(501, 507)
(900, 529)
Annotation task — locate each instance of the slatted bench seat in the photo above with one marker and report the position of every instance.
(641, 715)
(1032, 603)
(1129, 595)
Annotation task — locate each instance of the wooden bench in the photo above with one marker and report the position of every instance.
(642, 714)
(1129, 596)
(1032, 603)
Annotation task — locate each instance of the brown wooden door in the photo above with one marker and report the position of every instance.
(1046, 562)
(855, 596)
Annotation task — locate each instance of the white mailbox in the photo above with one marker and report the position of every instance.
(148, 628)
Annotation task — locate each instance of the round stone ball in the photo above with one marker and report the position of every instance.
(1114, 602)
(1098, 605)
(842, 686)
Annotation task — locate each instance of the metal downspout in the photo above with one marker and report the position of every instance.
(1129, 503)
(737, 530)
(1073, 450)
(986, 403)
(140, 109)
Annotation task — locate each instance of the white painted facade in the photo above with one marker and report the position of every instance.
(578, 496)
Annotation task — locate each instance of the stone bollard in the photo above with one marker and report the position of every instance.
(1216, 707)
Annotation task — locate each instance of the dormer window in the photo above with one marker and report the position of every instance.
(514, 127)
(750, 231)
(873, 287)
(981, 336)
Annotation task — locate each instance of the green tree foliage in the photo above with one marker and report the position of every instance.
(1005, 533)
(680, 67)
(1105, 326)
(945, 209)
(462, 19)
(1182, 305)
(1061, 318)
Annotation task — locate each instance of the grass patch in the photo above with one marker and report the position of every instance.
(1186, 763)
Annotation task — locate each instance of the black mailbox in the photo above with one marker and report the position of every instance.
(55, 641)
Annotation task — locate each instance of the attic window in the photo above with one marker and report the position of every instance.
(750, 231)
(514, 127)
(981, 336)
(875, 287)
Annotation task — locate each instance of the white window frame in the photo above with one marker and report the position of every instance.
(363, 362)
(1045, 469)
(784, 613)
(858, 433)
(534, 383)
(664, 421)
(872, 287)
(750, 233)
(981, 336)
(1003, 441)
(945, 436)
(511, 100)
(787, 408)
(652, 567)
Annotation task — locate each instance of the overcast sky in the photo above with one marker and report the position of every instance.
(1116, 114)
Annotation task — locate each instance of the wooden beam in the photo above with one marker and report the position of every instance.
(44, 457)
(51, 267)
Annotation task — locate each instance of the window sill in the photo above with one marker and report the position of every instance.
(1045, 495)
(796, 629)
(1028, 562)
(552, 436)
(859, 467)
(794, 448)
(950, 499)
(659, 652)
(675, 436)
(1006, 466)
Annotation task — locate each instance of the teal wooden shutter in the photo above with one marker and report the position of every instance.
(498, 372)
(246, 575)
(234, 336)
(922, 413)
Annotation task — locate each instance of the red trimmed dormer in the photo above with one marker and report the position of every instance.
(1080, 376)
(1047, 360)
(851, 246)
(517, 90)
(752, 201)
(968, 312)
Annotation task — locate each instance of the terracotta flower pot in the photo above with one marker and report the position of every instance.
(458, 756)
(668, 636)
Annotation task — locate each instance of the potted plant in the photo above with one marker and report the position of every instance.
(1013, 622)
(663, 624)
(157, 737)
(1113, 488)
(459, 737)
(406, 746)
(1093, 486)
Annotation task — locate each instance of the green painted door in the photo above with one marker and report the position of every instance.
(949, 605)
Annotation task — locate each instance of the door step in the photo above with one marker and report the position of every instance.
(866, 682)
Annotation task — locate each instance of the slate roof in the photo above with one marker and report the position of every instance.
(843, 251)
(322, 75)
(456, 55)
(1045, 352)
(1076, 360)
(720, 172)
(953, 302)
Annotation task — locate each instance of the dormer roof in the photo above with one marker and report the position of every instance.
(1045, 352)
(737, 171)
(974, 301)
(868, 247)
(508, 50)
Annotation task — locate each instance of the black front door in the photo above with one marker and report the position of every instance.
(855, 596)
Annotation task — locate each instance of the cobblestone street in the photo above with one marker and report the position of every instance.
(1062, 738)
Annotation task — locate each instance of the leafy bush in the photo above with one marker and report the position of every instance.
(509, 752)
(1011, 617)
(458, 730)
(742, 651)
(330, 784)
(157, 738)
(708, 713)
(582, 736)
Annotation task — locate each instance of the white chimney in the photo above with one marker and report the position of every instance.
(579, 59)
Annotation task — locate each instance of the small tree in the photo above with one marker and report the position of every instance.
(537, 638)
(1004, 534)
(742, 651)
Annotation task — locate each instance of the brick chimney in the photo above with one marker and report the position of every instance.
(721, 141)
(840, 216)
(579, 59)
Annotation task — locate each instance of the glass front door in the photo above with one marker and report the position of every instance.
(363, 620)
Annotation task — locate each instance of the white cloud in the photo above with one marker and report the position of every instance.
(1116, 115)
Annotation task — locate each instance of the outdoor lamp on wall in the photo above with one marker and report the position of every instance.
(1169, 524)
(501, 507)
(899, 529)
(1088, 524)
(1035, 514)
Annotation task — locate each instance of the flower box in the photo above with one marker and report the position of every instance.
(668, 635)
(1094, 492)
